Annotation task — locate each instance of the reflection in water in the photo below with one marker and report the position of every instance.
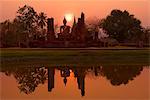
(79, 73)
(51, 73)
(121, 75)
(28, 78)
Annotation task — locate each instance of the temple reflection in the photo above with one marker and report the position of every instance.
(79, 73)
(28, 78)
(51, 73)
(65, 72)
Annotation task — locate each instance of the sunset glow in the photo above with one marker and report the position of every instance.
(92, 8)
(69, 17)
(75, 49)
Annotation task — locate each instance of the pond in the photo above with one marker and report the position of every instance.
(118, 82)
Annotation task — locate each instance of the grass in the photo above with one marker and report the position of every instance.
(57, 57)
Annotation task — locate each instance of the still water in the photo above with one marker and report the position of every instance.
(85, 83)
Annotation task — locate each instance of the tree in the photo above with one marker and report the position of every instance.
(122, 26)
(42, 20)
(21, 34)
(3, 31)
(8, 34)
(146, 35)
(27, 19)
(41, 23)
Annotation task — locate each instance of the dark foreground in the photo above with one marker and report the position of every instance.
(78, 56)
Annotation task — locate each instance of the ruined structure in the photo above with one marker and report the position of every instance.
(79, 30)
(50, 29)
(77, 36)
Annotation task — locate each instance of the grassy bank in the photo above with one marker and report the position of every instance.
(54, 57)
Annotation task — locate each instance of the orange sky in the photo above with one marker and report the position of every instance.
(92, 8)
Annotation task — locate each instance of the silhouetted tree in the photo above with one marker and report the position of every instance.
(146, 35)
(42, 20)
(8, 34)
(4, 26)
(122, 26)
(27, 19)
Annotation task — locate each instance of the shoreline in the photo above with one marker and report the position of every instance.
(86, 48)
(76, 56)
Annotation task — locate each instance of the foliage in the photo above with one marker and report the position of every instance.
(27, 16)
(42, 20)
(146, 35)
(122, 26)
(23, 28)
(31, 22)
(8, 34)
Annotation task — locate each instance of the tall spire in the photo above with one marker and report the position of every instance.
(74, 25)
(74, 22)
(82, 17)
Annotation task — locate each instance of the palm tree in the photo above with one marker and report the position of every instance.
(42, 20)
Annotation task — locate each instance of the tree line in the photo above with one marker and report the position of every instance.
(29, 25)
(29, 78)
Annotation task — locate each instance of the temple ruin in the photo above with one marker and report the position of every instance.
(75, 36)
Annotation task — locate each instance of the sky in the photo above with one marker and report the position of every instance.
(92, 8)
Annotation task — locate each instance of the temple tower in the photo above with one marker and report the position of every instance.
(50, 29)
(81, 28)
(82, 18)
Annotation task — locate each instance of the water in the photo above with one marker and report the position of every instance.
(66, 82)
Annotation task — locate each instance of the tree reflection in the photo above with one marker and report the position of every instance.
(121, 74)
(28, 78)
